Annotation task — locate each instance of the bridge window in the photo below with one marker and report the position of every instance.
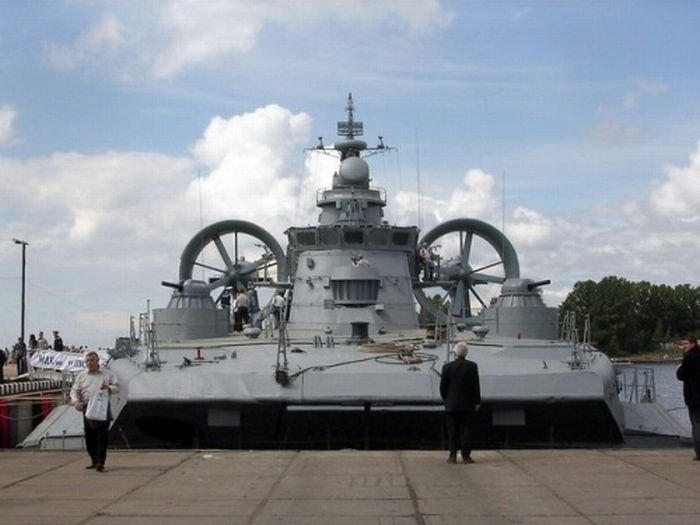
(402, 238)
(306, 238)
(355, 292)
(378, 237)
(354, 237)
(328, 237)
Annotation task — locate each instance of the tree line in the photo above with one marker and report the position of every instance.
(634, 317)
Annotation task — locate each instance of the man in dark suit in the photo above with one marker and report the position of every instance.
(459, 388)
(689, 373)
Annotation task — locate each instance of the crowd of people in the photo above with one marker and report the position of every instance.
(22, 351)
(429, 261)
(244, 309)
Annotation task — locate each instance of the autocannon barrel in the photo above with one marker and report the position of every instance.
(537, 284)
(177, 286)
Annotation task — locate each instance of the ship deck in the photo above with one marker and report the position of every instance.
(226, 396)
(563, 487)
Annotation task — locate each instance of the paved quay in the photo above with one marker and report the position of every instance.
(562, 487)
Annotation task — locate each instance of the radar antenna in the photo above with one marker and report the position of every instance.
(350, 129)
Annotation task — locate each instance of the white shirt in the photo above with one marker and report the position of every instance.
(86, 384)
(242, 300)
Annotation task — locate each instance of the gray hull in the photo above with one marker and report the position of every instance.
(343, 397)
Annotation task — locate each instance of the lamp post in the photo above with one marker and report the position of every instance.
(24, 280)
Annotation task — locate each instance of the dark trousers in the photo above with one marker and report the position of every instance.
(458, 437)
(96, 438)
(694, 414)
(240, 317)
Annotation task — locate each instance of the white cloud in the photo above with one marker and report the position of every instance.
(7, 120)
(251, 158)
(679, 195)
(69, 201)
(166, 38)
(77, 209)
(529, 228)
(474, 198)
(194, 33)
(100, 42)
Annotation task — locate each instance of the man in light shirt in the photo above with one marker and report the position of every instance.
(87, 384)
(42, 343)
(242, 302)
(277, 308)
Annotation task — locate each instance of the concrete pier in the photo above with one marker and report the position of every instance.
(538, 487)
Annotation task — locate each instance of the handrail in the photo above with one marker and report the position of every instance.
(637, 384)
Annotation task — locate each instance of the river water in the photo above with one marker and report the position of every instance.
(669, 391)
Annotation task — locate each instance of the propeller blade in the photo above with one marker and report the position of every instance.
(263, 262)
(466, 250)
(473, 290)
(485, 267)
(224, 254)
(221, 294)
(458, 301)
(433, 284)
(482, 278)
(202, 265)
(223, 281)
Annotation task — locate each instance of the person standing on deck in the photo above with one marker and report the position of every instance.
(57, 342)
(86, 385)
(426, 259)
(689, 373)
(19, 355)
(33, 344)
(41, 342)
(460, 389)
(277, 307)
(242, 302)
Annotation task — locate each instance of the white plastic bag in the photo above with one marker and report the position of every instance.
(98, 406)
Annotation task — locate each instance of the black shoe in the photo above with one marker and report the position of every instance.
(100, 468)
(90, 467)
(452, 459)
(467, 459)
(696, 458)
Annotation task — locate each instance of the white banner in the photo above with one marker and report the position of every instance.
(63, 361)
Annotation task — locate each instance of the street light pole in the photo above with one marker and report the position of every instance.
(24, 280)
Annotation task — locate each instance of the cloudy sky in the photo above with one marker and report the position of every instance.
(125, 126)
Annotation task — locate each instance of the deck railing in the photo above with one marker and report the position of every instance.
(636, 384)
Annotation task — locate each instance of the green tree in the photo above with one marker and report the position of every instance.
(631, 318)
